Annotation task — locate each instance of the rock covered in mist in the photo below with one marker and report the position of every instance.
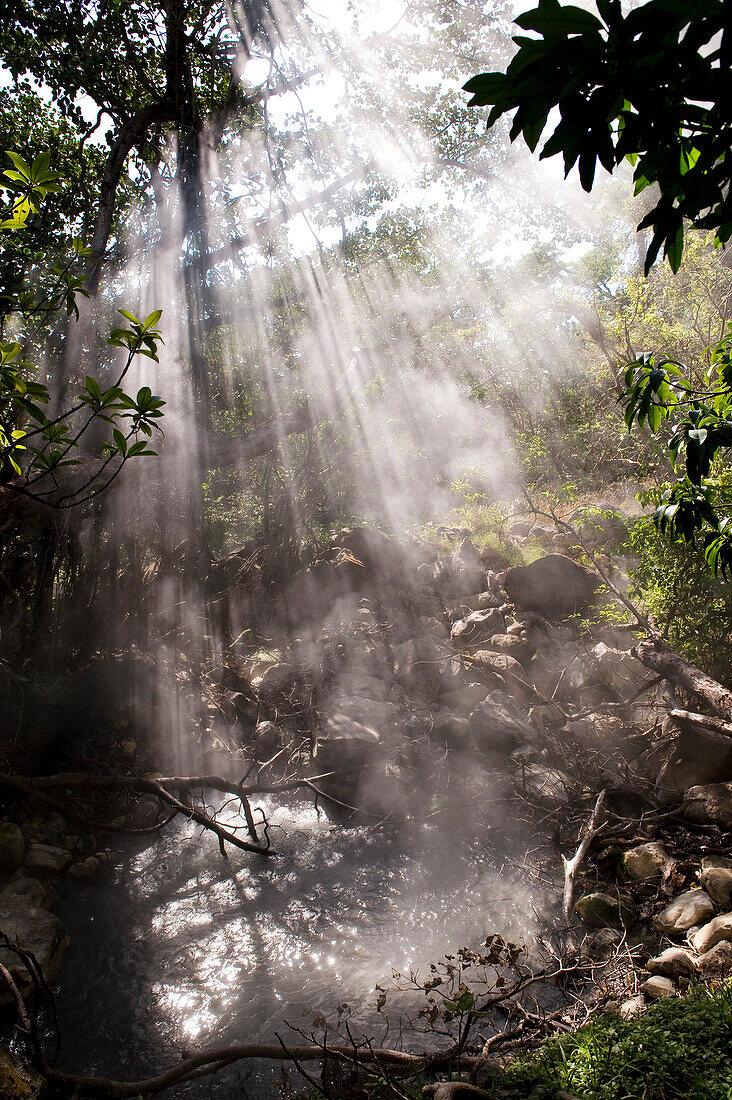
(497, 726)
(36, 931)
(684, 912)
(521, 649)
(477, 627)
(46, 860)
(546, 785)
(555, 586)
(709, 804)
(697, 760)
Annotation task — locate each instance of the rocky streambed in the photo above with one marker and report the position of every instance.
(419, 695)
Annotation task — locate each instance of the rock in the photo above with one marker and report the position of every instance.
(38, 932)
(266, 739)
(21, 892)
(718, 929)
(548, 786)
(555, 586)
(418, 666)
(717, 962)
(656, 988)
(468, 567)
(455, 1090)
(672, 963)
(710, 804)
(717, 881)
(602, 944)
(12, 847)
(452, 730)
(695, 761)
(501, 664)
(631, 1008)
(497, 726)
(86, 869)
(618, 671)
(688, 909)
(514, 645)
(463, 700)
(45, 861)
(603, 910)
(476, 628)
(645, 862)
(18, 1081)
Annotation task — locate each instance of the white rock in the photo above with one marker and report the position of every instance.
(713, 933)
(686, 910)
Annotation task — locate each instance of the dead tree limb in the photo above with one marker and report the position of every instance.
(572, 866)
(661, 659)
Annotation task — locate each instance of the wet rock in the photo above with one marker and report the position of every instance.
(684, 912)
(477, 627)
(602, 944)
(38, 932)
(603, 910)
(86, 869)
(713, 933)
(555, 586)
(717, 962)
(717, 881)
(632, 1007)
(18, 1081)
(21, 892)
(709, 804)
(497, 726)
(672, 963)
(656, 988)
(45, 861)
(644, 862)
(266, 739)
(12, 846)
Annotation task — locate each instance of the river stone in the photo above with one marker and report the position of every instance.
(476, 627)
(690, 908)
(603, 910)
(45, 860)
(713, 933)
(18, 1081)
(717, 962)
(555, 586)
(644, 862)
(656, 988)
(37, 932)
(710, 804)
(12, 846)
(672, 963)
(717, 881)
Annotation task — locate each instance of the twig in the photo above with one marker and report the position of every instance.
(572, 866)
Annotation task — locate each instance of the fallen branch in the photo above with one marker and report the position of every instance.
(716, 729)
(572, 866)
(660, 658)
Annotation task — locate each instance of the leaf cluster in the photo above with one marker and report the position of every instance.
(649, 86)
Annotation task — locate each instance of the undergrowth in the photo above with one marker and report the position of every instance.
(679, 1048)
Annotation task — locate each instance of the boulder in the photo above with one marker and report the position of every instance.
(656, 988)
(419, 665)
(501, 664)
(672, 963)
(266, 739)
(468, 568)
(717, 962)
(452, 730)
(644, 862)
(38, 932)
(713, 933)
(709, 804)
(717, 881)
(476, 627)
(695, 761)
(555, 586)
(12, 847)
(603, 910)
(21, 892)
(617, 670)
(684, 912)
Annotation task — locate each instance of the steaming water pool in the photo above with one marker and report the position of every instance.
(184, 949)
